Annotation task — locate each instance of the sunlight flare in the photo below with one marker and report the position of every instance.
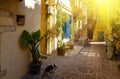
(91, 54)
(31, 3)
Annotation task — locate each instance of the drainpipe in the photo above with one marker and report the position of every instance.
(46, 20)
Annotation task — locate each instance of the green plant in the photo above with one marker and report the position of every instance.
(61, 44)
(32, 42)
(116, 32)
(116, 35)
(61, 19)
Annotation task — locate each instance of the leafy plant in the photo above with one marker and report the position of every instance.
(61, 19)
(32, 42)
(60, 43)
(116, 35)
(116, 32)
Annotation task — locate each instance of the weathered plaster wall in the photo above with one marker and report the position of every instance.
(13, 58)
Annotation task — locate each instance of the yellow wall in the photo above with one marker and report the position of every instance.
(46, 23)
(105, 11)
(43, 26)
(13, 58)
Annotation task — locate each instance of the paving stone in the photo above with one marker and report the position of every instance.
(89, 63)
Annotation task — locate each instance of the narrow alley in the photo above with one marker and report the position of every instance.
(89, 63)
(69, 39)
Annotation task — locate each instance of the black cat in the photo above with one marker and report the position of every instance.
(49, 69)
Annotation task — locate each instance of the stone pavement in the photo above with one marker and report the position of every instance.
(89, 63)
(73, 51)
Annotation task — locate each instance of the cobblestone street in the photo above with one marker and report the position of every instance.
(89, 63)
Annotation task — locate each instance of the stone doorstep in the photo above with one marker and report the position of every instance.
(73, 51)
(3, 73)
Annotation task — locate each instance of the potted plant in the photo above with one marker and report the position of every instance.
(61, 19)
(31, 41)
(60, 48)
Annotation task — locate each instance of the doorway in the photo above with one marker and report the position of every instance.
(100, 36)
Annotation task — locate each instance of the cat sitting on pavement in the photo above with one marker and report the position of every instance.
(49, 69)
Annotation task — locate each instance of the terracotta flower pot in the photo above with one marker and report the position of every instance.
(60, 52)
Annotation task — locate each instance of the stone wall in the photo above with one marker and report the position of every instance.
(13, 58)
